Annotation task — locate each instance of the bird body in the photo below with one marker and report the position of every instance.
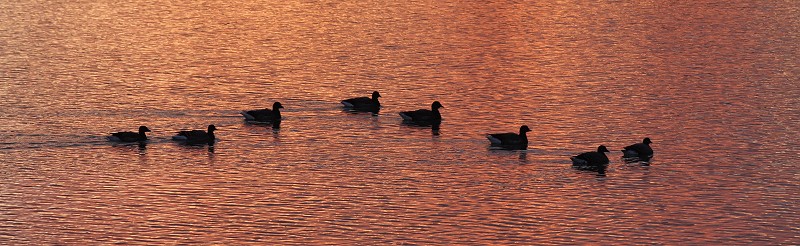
(197, 136)
(424, 116)
(130, 136)
(640, 150)
(511, 140)
(594, 158)
(365, 104)
(264, 115)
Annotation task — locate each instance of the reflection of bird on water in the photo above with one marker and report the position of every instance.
(511, 140)
(130, 136)
(435, 129)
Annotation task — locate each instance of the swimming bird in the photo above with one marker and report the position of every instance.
(511, 140)
(424, 116)
(641, 150)
(130, 136)
(264, 115)
(197, 136)
(365, 104)
(594, 158)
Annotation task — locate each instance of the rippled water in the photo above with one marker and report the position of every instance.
(714, 84)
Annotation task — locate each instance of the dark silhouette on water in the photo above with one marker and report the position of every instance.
(130, 136)
(364, 104)
(435, 129)
(511, 140)
(264, 115)
(276, 124)
(197, 136)
(638, 152)
(591, 160)
(142, 147)
(424, 117)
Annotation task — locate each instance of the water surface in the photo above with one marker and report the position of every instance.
(714, 84)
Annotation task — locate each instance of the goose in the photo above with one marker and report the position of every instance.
(130, 136)
(594, 158)
(512, 140)
(640, 150)
(365, 104)
(264, 115)
(197, 136)
(424, 116)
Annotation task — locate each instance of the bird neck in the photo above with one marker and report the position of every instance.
(211, 138)
(142, 135)
(375, 106)
(277, 112)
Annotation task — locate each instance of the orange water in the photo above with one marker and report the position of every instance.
(714, 84)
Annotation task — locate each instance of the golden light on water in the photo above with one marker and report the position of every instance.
(699, 77)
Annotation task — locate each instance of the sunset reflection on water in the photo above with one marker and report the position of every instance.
(714, 86)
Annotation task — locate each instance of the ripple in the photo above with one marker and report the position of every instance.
(715, 94)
